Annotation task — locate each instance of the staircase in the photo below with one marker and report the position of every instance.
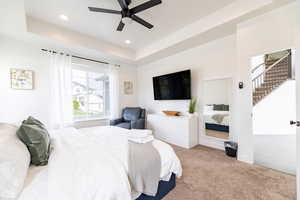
(273, 73)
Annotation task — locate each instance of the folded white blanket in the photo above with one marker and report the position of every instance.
(140, 136)
(141, 133)
(141, 140)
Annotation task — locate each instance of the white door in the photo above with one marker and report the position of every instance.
(296, 122)
(297, 76)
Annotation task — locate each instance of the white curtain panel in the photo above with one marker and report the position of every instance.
(61, 90)
(114, 90)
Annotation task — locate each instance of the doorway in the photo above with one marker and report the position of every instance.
(274, 105)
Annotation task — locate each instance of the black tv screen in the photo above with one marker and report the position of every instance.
(175, 86)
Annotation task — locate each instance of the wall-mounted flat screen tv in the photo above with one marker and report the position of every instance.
(175, 86)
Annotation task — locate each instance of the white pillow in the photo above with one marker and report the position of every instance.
(14, 162)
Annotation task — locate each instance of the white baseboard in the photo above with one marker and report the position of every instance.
(211, 142)
(219, 144)
(245, 159)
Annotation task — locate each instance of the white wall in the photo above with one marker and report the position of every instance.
(272, 115)
(274, 137)
(212, 60)
(128, 73)
(231, 56)
(271, 32)
(276, 151)
(18, 104)
(217, 91)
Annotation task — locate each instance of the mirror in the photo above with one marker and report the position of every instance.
(216, 111)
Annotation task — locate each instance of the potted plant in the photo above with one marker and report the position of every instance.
(192, 106)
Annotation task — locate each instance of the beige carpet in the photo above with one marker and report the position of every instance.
(210, 175)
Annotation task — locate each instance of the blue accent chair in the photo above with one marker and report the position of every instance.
(132, 118)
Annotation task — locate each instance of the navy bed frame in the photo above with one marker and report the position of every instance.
(164, 187)
(217, 127)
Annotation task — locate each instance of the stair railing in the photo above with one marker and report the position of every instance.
(258, 80)
(258, 66)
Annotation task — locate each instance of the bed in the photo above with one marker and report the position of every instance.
(98, 158)
(216, 120)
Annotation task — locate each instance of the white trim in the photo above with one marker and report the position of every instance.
(212, 142)
(218, 78)
(91, 119)
(245, 158)
(270, 51)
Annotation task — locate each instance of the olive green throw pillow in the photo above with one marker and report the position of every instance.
(33, 121)
(36, 137)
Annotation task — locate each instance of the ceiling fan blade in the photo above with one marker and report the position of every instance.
(103, 10)
(145, 6)
(121, 26)
(128, 2)
(123, 4)
(141, 21)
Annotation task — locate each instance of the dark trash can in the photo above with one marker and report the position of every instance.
(231, 148)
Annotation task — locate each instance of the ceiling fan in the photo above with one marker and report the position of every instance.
(129, 13)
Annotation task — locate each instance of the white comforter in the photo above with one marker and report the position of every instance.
(91, 164)
(209, 114)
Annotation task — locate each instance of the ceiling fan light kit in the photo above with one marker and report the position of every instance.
(129, 14)
(126, 20)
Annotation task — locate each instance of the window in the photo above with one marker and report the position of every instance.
(90, 92)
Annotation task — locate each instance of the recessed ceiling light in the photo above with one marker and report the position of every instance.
(64, 17)
(127, 41)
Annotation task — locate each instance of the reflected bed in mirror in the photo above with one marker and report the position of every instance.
(216, 111)
(216, 118)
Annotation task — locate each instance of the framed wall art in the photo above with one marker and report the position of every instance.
(22, 79)
(128, 87)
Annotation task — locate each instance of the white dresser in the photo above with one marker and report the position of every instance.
(178, 130)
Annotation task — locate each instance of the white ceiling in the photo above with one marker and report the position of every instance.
(167, 18)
